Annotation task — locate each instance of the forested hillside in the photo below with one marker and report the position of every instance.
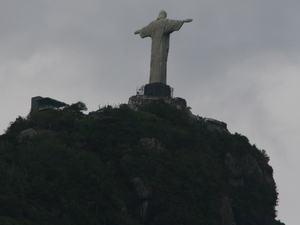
(154, 166)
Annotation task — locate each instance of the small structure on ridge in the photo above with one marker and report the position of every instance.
(39, 103)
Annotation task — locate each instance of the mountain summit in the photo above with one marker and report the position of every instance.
(155, 165)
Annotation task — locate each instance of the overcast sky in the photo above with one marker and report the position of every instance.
(237, 62)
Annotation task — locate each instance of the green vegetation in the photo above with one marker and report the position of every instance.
(75, 169)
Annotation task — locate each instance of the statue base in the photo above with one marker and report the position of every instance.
(157, 89)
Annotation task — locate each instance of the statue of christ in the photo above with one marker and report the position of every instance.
(159, 30)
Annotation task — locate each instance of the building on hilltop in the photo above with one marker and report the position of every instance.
(39, 103)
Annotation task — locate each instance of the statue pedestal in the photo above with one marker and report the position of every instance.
(157, 89)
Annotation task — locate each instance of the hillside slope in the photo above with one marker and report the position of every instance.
(120, 166)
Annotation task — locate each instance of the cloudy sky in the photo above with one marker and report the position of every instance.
(237, 62)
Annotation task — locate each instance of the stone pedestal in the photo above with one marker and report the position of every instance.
(157, 89)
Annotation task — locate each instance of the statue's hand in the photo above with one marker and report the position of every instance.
(188, 20)
(137, 32)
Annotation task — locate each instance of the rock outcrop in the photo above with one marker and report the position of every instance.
(144, 193)
(226, 212)
(152, 144)
(236, 174)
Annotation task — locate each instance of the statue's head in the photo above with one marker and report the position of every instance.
(162, 15)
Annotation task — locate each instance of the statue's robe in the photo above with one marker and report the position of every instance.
(159, 31)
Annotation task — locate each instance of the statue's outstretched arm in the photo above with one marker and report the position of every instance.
(187, 20)
(137, 32)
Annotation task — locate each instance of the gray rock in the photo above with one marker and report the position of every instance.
(152, 144)
(28, 133)
(236, 174)
(226, 212)
(142, 191)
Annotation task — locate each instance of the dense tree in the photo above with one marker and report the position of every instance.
(78, 169)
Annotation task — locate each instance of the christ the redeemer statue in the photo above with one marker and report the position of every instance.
(159, 30)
